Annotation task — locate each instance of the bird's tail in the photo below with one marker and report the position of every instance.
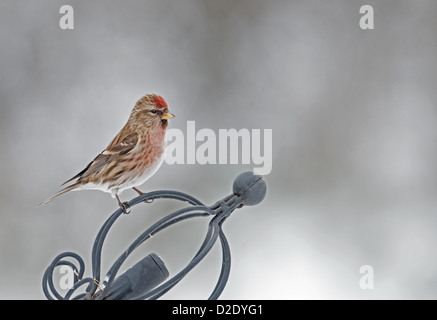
(61, 192)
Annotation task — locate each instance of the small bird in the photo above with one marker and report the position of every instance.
(132, 157)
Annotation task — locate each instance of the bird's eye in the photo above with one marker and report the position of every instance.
(153, 111)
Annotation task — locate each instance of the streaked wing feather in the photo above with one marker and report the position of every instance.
(120, 145)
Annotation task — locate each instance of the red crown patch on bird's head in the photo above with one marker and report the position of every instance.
(159, 102)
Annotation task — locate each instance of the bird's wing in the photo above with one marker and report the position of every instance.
(120, 145)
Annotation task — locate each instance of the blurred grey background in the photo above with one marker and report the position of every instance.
(354, 124)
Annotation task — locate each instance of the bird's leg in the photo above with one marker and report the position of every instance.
(140, 193)
(123, 205)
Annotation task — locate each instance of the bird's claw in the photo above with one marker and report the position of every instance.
(141, 193)
(125, 207)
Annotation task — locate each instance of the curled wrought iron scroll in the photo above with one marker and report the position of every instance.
(145, 280)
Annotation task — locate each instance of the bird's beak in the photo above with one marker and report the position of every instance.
(167, 116)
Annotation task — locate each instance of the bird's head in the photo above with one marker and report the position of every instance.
(152, 111)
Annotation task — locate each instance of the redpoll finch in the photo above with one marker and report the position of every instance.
(132, 157)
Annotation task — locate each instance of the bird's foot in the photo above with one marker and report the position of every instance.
(141, 193)
(125, 207)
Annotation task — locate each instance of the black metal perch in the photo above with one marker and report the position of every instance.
(145, 279)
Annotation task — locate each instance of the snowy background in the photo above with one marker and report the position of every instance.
(354, 121)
